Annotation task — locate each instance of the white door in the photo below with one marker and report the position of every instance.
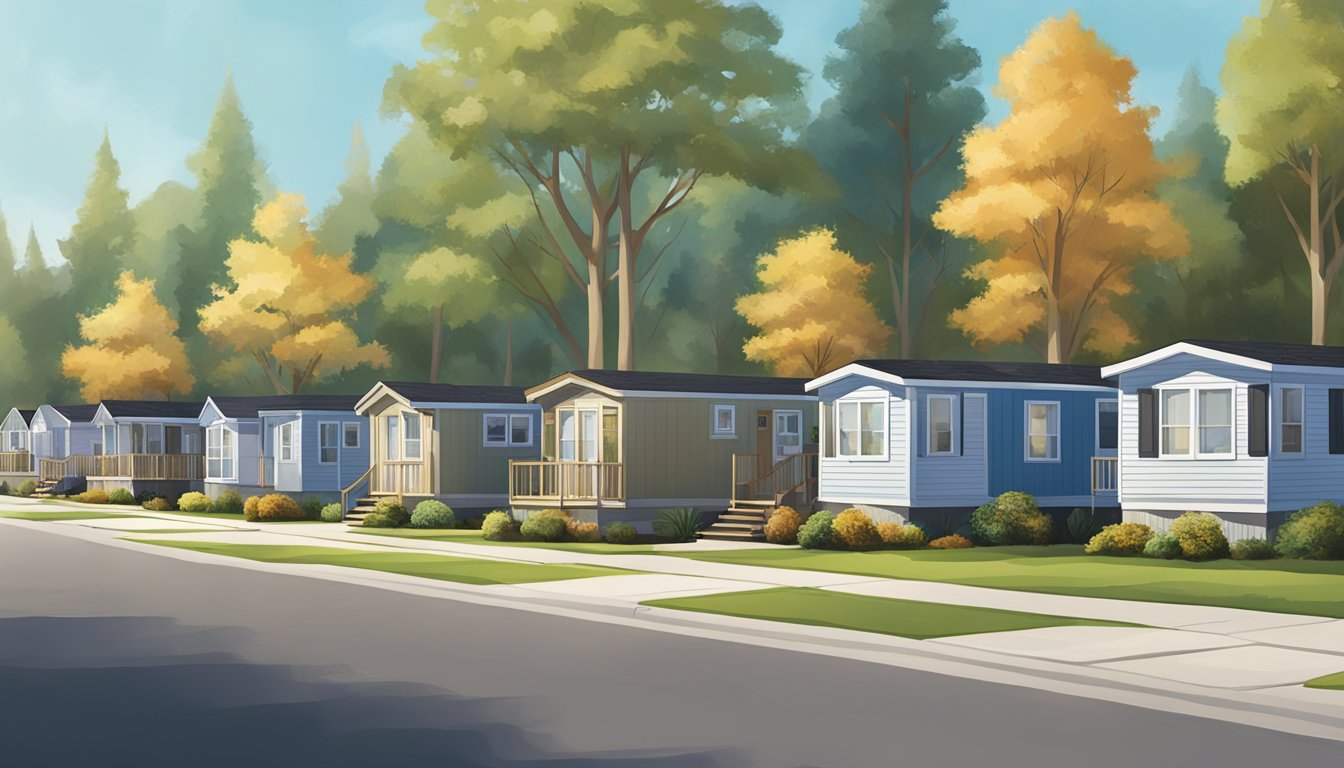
(788, 433)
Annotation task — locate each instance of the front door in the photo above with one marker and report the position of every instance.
(788, 434)
(172, 439)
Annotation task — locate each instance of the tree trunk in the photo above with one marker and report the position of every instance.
(1054, 332)
(508, 352)
(1320, 292)
(436, 343)
(597, 291)
(625, 270)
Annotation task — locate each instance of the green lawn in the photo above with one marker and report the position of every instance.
(1285, 586)
(467, 536)
(1333, 682)
(441, 567)
(61, 515)
(906, 618)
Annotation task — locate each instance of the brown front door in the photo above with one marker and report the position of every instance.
(172, 439)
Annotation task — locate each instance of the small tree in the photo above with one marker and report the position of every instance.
(812, 312)
(291, 308)
(133, 350)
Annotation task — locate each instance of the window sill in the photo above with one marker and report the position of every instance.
(1041, 461)
(723, 437)
(855, 459)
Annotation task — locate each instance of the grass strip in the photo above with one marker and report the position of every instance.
(1333, 682)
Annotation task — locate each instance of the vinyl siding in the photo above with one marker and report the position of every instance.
(466, 465)
(1300, 480)
(867, 481)
(960, 479)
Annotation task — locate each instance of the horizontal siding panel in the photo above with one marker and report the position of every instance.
(877, 481)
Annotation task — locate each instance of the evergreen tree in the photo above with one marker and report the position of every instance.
(41, 315)
(102, 237)
(6, 253)
(351, 215)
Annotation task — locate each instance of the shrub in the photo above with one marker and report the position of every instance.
(1080, 525)
(158, 504)
(332, 513)
(1201, 536)
(472, 523)
(1253, 549)
(1119, 539)
(854, 529)
(678, 523)
(4, 488)
(228, 503)
(582, 530)
(121, 496)
(312, 507)
(193, 501)
(781, 527)
(1012, 518)
(1315, 533)
(27, 488)
(393, 510)
(546, 525)
(952, 541)
(499, 526)
(1166, 547)
(621, 533)
(250, 508)
(432, 514)
(277, 506)
(378, 520)
(92, 497)
(898, 536)
(817, 532)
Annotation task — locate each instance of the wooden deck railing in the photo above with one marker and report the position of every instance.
(403, 478)
(78, 465)
(792, 476)
(16, 462)
(351, 488)
(567, 482)
(1105, 474)
(150, 466)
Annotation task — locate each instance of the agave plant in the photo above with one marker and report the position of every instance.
(678, 524)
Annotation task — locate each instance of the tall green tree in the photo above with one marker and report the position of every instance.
(609, 115)
(160, 219)
(1280, 108)
(905, 97)
(6, 252)
(102, 237)
(39, 311)
(351, 214)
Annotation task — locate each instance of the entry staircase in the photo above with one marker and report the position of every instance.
(46, 489)
(364, 506)
(759, 487)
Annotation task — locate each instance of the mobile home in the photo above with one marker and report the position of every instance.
(17, 464)
(64, 440)
(148, 447)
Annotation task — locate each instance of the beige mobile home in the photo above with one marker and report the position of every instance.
(443, 441)
(625, 445)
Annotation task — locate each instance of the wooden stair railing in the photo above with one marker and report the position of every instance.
(346, 491)
(786, 476)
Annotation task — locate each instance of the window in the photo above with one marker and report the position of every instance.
(861, 428)
(393, 438)
(109, 439)
(219, 458)
(1175, 422)
(410, 423)
(285, 440)
(828, 430)
(502, 429)
(351, 434)
(496, 429)
(568, 435)
(1290, 420)
(611, 435)
(941, 442)
(1108, 425)
(328, 445)
(1215, 421)
(548, 437)
(1042, 431)
(520, 429)
(725, 421)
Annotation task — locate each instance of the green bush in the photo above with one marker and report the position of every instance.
(97, 496)
(817, 532)
(312, 507)
(193, 501)
(677, 524)
(582, 530)
(1165, 547)
(621, 533)
(432, 514)
(158, 504)
(1080, 525)
(229, 502)
(1012, 518)
(121, 496)
(332, 513)
(277, 506)
(26, 488)
(1253, 549)
(499, 526)
(545, 525)
(4, 488)
(854, 529)
(781, 527)
(379, 520)
(393, 510)
(898, 536)
(1315, 533)
(1201, 536)
(1120, 539)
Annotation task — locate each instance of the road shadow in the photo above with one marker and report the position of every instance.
(145, 691)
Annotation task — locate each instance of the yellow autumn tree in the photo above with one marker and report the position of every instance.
(291, 306)
(1065, 188)
(133, 351)
(812, 312)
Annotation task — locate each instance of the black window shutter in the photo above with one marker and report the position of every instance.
(1147, 424)
(1337, 421)
(1259, 420)
(961, 424)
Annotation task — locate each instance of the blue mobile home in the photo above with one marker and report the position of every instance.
(298, 445)
(919, 439)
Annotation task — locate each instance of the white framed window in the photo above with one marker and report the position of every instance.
(503, 430)
(942, 425)
(350, 434)
(1108, 425)
(568, 434)
(1292, 410)
(725, 420)
(410, 436)
(328, 442)
(861, 429)
(286, 437)
(1214, 414)
(520, 429)
(1197, 422)
(1174, 420)
(1042, 430)
(220, 453)
(496, 429)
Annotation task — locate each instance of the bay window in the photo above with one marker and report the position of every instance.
(219, 457)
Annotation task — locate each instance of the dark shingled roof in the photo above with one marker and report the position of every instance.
(77, 412)
(419, 392)
(1279, 354)
(248, 407)
(969, 370)
(152, 409)
(27, 416)
(656, 381)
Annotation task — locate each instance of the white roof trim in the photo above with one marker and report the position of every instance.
(569, 378)
(50, 410)
(565, 380)
(1184, 347)
(380, 389)
(855, 369)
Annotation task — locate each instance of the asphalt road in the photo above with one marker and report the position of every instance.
(110, 657)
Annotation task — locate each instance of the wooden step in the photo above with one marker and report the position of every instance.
(732, 534)
(733, 517)
(730, 525)
(758, 503)
(756, 513)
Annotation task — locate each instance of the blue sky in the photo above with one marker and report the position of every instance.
(307, 70)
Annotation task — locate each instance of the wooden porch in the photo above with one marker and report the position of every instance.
(761, 484)
(54, 470)
(147, 466)
(567, 483)
(17, 463)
